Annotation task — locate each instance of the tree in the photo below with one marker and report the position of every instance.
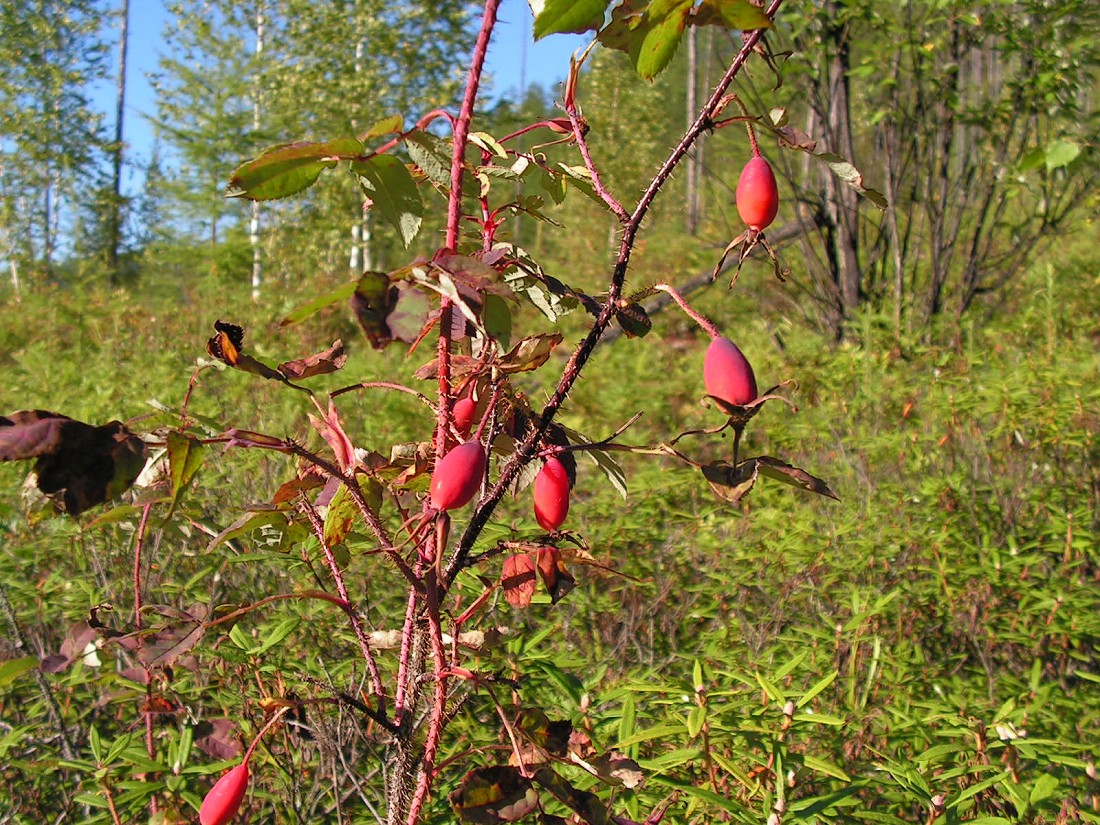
(49, 135)
(973, 117)
(205, 112)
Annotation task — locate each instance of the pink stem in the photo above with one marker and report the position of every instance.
(341, 588)
(710, 328)
(597, 182)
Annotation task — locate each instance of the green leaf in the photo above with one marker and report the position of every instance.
(385, 126)
(388, 182)
(341, 293)
(665, 23)
(848, 173)
(185, 457)
(432, 156)
(281, 631)
(498, 320)
(14, 668)
(732, 14)
(1061, 153)
(572, 16)
(816, 689)
(285, 170)
(1045, 787)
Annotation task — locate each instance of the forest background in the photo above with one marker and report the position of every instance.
(940, 621)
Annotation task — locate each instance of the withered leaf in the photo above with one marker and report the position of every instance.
(729, 482)
(321, 363)
(518, 579)
(493, 794)
(796, 477)
(227, 345)
(372, 302)
(216, 738)
(529, 354)
(182, 630)
(79, 465)
(585, 804)
(558, 580)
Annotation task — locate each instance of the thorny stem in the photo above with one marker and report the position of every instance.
(748, 126)
(356, 620)
(526, 448)
(437, 720)
(454, 216)
(579, 129)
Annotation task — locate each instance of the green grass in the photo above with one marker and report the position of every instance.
(944, 604)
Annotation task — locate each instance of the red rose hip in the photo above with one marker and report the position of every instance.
(222, 802)
(727, 373)
(457, 476)
(463, 412)
(757, 194)
(551, 494)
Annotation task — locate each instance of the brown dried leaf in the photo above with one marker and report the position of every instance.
(518, 579)
(529, 354)
(558, 580)
(796, 477)
(321, 363)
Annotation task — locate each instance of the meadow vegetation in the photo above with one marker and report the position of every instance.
(935, 629)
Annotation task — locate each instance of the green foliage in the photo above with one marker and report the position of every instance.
(920, 628)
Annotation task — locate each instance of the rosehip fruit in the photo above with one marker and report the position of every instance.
(757, 194)
(222, 802)
(458, 475)
(551, 494)
(727, 373)
(463, 413)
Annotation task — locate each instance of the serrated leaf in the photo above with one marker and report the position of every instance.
(660, 37)
(431, 155)
(285, 170)
(569, 16)
(529, 353)
(388, 182)
(340, 517)
(246, 524)
(732, 14)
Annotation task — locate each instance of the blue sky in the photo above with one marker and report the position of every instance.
(546, 62)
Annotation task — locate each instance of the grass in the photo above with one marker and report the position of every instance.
(943, 606)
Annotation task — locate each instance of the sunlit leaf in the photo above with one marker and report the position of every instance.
(732, 14)
(573, 16)
(286, 170)
(388, 183)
